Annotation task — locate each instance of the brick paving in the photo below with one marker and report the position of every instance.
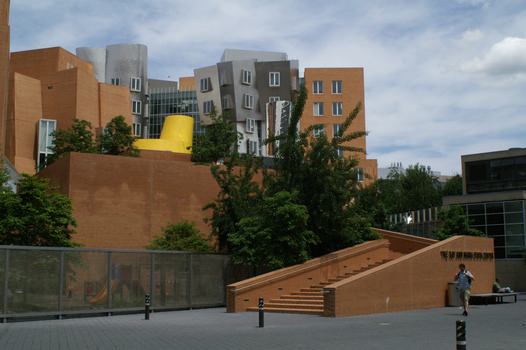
(492, 327)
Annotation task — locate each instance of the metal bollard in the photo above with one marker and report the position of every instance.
(261, 314)
(461, 335)
(147, 303)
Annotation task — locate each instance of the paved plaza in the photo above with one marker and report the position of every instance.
(491, 327)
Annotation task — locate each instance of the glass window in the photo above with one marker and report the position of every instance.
(273, 99)
(336, 86)
(317, 108)
(247, 77)
(135, 84)
(494, 207)
(477, 220)
(251, 125)
(207, 107)
(500, 241)
(319, 130)
(115, 81)
(495, 230)
(249, 101)
(494, 219)
(359, 172)
(227, 102)
(339, 152)
(337, 108)
(45, 141)
(273, 79)
(513, 206)
(500, 253)
(337, 130)
(517, 229)
(136, 107)
(517, 240)
(205, 85)
(514, 218)
(317, 87)
(476, 209)
(514, 252)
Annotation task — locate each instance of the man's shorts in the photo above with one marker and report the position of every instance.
(465, 294)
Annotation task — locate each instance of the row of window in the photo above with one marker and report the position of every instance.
(318, 109)
(319, 130)
(317, 87)
(135, 83)
(274, 80)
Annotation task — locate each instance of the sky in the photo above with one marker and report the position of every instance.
(443, 78)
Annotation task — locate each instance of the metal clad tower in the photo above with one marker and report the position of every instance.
(97, 57)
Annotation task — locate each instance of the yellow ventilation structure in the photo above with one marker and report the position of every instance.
(176, 136)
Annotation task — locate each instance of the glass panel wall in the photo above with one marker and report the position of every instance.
(172, 280)
(130, 279)
(208, 279)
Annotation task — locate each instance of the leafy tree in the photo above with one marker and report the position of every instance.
(35, 216)
(181, 236)
(219, 142)
(275, 236)
(117, 139)
(454, 222)
(453, 186)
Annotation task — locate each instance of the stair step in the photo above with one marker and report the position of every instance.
(312, 290)
(306, 297)
(296, 301)
(289, 311)
(294, 306)
(310, 293)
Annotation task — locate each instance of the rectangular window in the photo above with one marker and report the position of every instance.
(227, 102)
(359, 174)
(337, 108)
(136, 107)
(317, 108)
(337, 130)
(249, 101)
(135, 84)
(273, 99)
(207, 107)
(339, 152)
(45, 139)
(247, 77)
(317, 87)
(251, 126)
(115, 81)
(336, 86)
(273, 79)
(252, 147)
(136, 129)
(319, 130)
(206, 85)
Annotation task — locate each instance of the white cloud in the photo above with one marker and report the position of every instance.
(507, 57)
(472, 35)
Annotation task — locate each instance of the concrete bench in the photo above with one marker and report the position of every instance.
(494, 297)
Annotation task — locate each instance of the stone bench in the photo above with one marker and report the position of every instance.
(494, 297)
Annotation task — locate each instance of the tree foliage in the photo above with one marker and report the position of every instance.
(34, 215)
(117, 139)
(453, 186)
(181, 236)
(454, 222)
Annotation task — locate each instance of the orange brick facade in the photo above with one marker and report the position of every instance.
(4, 69)
(55, 84)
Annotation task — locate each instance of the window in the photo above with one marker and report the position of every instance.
(252, 147)
(339, 152)
(273, 79)
(336, 86)
(273, 99)
(337, 130)
(115, 81)
(135, 84)
(249, 101)
(318, 130)
(136, 129)
(227, 102)
(207, 107)
(317, 87)
(251, 126)
(45, 139)
(206, 85)
(318, 108)
(247, 77)
(359, 174)
(136, 107)
(337, 108)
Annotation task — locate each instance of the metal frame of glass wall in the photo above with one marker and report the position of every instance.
(42, 281)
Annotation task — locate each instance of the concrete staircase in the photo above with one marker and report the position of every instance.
(309, 300)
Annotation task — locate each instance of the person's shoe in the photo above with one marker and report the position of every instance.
(465, 313)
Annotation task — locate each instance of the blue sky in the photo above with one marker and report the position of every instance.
(442, 78)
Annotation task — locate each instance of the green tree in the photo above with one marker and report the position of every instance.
(454, 222)
(181, 236)
(218, 143)
(34, 215)
(453, 186)
(76, 138)
(117, 139)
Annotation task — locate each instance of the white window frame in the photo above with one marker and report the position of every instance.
(252, 147)
(136, 129)
(318, 130)
(135, 84)
(207, 107)
(136, 107)
(227, 102)
(248, 101)
(317, 87)
(273, 79)
(246, 77)
(317, 109)
(45, 140)
(336, 86)
(205, 84)
(115, 81)
(360, 177)
(250, 126)
(274, 99)
(337, 108)
(339, 152)
(336, 130)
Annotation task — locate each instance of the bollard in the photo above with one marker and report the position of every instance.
(147, 303)
(261, 314)
(461, 335)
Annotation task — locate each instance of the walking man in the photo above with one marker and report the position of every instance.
(464, 279)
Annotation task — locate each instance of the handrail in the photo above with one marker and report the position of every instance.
(309, 267)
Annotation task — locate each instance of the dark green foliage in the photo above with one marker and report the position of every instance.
(454, 222)
(453, 186)
(219, 142)
(181, 236)
(117, 139)
(275, 236)
(35, 216)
